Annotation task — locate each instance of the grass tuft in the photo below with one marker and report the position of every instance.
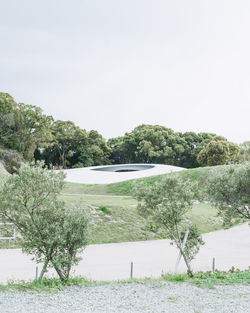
(104, 209)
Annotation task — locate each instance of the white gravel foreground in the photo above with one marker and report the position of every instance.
(155, 297)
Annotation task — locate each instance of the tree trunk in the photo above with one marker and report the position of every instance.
(43, 269)
(190, 272)
(60, 273)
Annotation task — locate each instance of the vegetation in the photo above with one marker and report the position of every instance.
(36, 136)
(167, 203)
(11, 160)
(211, 279)
(49, 231)
(158, 144)
(218, 152)
(123, 223)
(245, 148)
(229, 191)
(200, 279)
(74, 147)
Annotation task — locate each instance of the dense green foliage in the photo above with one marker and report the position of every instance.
(49, 231)
(167, 203)
(26, 129)
(158, 144)
(218, 152)
(229, 190)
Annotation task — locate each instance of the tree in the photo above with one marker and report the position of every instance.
(75, 147)
(245, 148)
(166, 204)
(33, 129)
(67, 139)
(194, 143)
(219, 152)
(98, 148)
(228, 189)
(23, 127)
(49, 231)
(121, 151)
(7, 119)
(148, 144)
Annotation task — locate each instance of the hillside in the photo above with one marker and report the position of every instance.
(115, 217)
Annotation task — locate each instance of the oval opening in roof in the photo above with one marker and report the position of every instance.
(124, 168)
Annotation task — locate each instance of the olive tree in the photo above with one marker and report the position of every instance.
(48, 230)
(228, 189)
(166, 204)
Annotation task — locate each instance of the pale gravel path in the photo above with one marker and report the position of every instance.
(112, 261)
(157, 297)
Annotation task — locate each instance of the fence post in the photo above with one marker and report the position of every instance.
(36, 272)
(131, 270)
(213, 265)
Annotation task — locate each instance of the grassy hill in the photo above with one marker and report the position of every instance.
(115, 217)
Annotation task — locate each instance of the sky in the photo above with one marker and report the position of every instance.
(111, 65)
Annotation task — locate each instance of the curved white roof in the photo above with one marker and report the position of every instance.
(116, 173)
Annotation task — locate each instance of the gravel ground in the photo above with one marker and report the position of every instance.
(154, 297)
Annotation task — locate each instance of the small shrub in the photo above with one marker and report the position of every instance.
(104, 209)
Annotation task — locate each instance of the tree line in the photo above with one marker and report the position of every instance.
(36, 136)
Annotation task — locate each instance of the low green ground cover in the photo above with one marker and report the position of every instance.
(210, 279)
(115, 219)
(200, 279)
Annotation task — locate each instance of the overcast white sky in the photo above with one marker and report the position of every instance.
(111, 65)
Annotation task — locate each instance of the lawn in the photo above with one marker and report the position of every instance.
(115, 218)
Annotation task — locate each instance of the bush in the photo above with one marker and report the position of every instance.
(229, 190)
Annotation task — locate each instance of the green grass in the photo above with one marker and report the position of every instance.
(200, 279)
(51, 285)
(75, 188)
(115, 219)
(210, 279)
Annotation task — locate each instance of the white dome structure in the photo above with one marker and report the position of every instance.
(116, 173)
